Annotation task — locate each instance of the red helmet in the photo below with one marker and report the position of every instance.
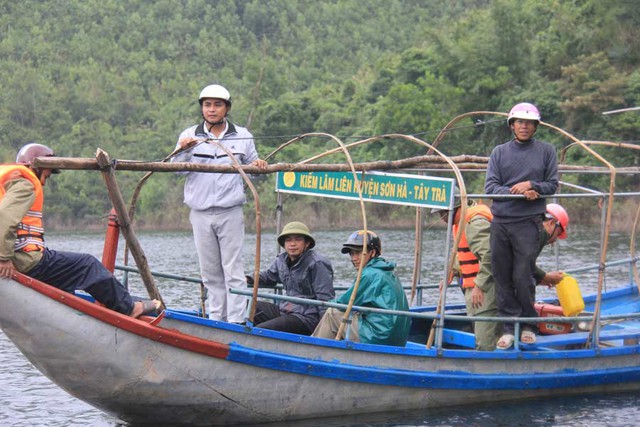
(524, 110)
(558, 213)
(32, 150)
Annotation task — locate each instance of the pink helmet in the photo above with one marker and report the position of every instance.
(32, 150)
(524, 110)
(558, 213)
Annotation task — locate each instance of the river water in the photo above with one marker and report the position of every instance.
(27, 398)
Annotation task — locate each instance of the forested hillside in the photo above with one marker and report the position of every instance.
(125, 76)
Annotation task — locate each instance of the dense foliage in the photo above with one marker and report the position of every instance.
(124, 76)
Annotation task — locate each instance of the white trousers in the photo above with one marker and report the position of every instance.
(219, 235)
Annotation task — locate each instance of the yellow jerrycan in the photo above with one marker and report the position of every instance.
(569, 296)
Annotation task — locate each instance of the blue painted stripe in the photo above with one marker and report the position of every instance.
(191, 317)
(432, 380)
(410, 350)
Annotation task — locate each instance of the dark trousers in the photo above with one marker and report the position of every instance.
(72, 271)
(269, 316)
(514, 249)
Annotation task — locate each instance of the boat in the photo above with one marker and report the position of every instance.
(180, 368)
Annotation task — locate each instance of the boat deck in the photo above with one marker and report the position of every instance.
(616, 336)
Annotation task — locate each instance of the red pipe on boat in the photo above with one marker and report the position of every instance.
(111, 242)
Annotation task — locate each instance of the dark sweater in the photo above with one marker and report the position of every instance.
(514, 162)
(539, 273)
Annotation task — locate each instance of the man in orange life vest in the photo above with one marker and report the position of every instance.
(22, 240)
(474, 258)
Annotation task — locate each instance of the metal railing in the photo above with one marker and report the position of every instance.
(277, 296)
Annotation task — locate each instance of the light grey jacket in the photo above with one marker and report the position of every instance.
(220, 190)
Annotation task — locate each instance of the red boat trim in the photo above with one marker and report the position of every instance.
(138, 327)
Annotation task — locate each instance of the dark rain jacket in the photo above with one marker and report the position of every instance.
(310, 277)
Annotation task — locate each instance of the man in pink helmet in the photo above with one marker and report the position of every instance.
(527, 168)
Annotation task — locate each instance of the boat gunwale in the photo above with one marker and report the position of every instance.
(130, 324)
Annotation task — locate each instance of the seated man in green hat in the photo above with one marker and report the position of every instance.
(304, 273)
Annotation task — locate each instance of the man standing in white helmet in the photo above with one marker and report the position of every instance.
(528, 167)
(216, 201)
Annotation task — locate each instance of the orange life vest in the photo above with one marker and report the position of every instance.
(30, 232)
(469, 264)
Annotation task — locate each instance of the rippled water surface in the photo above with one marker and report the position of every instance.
(27, 398)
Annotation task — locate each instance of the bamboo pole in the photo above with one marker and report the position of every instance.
(632, 242)
(632, 249)
(593, 330)
(417, 254)
(419, 162)
(456, 119)
(108, 174)
(134, 201)
(363, 212)
(130, 165)
(632, 246)
(258, 215)
(621, 110)
(350, 166)
(463, 197)
(132, 211)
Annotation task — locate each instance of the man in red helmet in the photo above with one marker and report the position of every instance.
(554, 226)
(525, 167)
(22, 240)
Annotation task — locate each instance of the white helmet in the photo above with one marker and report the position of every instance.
(215, 91)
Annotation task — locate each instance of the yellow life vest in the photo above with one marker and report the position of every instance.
(30, 232)
(469, 264)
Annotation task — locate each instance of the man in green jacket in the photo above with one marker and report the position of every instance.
(379, 288)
